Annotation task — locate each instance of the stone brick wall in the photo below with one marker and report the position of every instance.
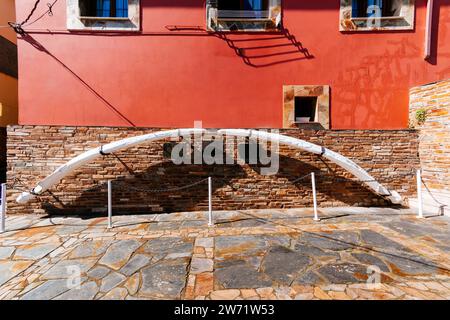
(434, 136)
(35, 151)
(434, 132)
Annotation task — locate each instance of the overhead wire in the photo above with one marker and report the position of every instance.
(18, 26)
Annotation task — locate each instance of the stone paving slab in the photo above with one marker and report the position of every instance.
(352, 253)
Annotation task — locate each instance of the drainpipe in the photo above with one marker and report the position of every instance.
(429, 29)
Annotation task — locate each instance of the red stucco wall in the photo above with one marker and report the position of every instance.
(162, 78)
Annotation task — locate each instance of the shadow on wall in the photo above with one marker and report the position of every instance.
(255, 49)
(276, 49)
(36, 44)
(235, 187)
(377, 99)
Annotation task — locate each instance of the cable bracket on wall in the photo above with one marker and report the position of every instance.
(17, 27)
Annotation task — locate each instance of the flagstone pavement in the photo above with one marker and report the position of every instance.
(352, 253)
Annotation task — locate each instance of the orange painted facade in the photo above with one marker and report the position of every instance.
(166, 77)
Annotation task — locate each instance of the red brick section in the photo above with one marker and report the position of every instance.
(35, 151)
(434, 132)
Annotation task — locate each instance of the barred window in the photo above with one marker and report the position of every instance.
(373, 8)
(244, 15)
(103, 15)
(249, 5)
(104, 8)
(379, 15)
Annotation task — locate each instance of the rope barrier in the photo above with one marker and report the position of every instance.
(122, 186)
(18, 27)
(431, 194)
(302, 178)
(326, 176)
(320, 177)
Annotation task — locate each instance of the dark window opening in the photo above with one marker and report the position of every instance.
(244, 9)
(104, 8)
(369, 8)
(305, 109)
(251, 5)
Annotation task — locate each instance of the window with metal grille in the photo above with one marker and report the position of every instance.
(104, 8)
(374, 8)
(243, 9)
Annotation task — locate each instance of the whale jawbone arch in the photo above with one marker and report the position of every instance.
(95, 153)
(334, 157)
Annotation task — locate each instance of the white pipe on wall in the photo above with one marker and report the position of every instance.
(419, 193)
(313, 184)
(3, 209)
(210, 218)
(110, 223)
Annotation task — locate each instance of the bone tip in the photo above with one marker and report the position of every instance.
(396, 198)
(24, 197)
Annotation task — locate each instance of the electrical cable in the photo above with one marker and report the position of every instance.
(18, 27)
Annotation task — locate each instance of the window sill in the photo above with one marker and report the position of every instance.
(378, 18)
(104, 18)
(246, 20)
(103, 24)
(226, 25)
(376, 24)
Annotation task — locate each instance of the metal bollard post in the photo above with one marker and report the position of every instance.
(110, 223)
(313, 181)
(419, 193)
(210, 218)
(3, 209)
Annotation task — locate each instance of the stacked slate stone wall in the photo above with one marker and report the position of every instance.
(434, 100)
(35, 151)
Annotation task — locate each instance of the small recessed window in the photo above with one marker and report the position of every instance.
(306, 106)
(305, 109)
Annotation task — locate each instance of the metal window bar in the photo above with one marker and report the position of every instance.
(122, 8)
(243, 14)
(103, 8)
(112, 8)
(364, 8)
